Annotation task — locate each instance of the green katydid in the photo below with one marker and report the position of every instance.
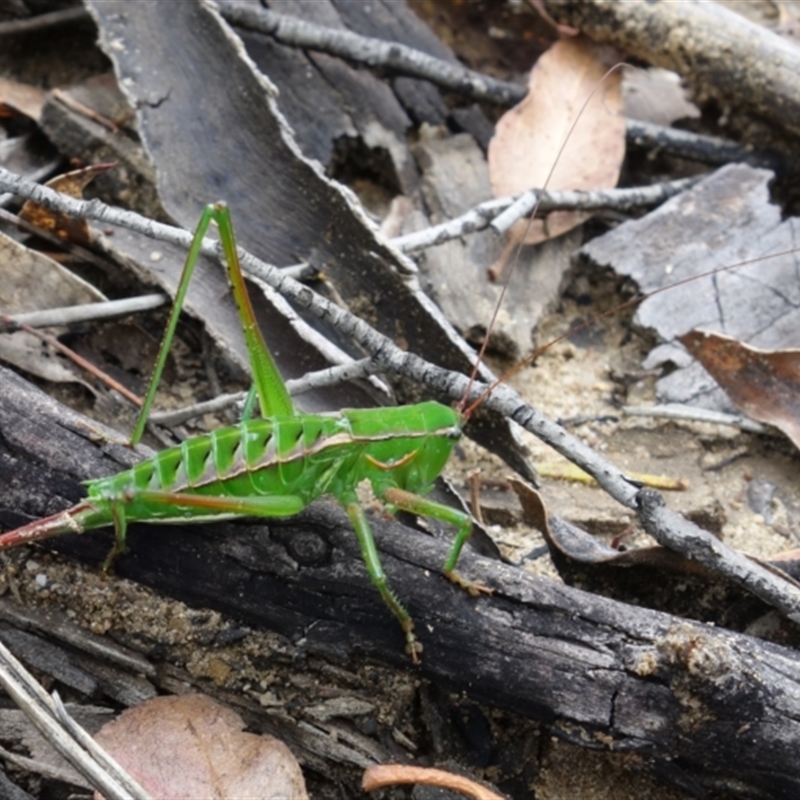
(277, 465)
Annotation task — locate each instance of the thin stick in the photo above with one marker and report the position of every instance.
(84, 312)
(689, 414)
(69, 739)
(73, 356)
(331, 376)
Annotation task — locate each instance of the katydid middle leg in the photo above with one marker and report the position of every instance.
(372, 561)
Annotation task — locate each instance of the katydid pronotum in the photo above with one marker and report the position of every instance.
(275, 466)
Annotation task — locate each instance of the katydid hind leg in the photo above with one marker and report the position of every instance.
(372, 561)
(272, 393)
(259, 506)
(273, 396)
(415, 504)
(209, 214)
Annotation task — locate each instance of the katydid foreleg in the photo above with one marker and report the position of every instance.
(423, 507)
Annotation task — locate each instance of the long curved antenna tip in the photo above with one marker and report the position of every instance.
(460, 407)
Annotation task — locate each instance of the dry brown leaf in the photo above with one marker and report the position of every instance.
(21, 98)
(72, 184)
(577, 545)
(529, 137)
(190, 746)
(764, 384)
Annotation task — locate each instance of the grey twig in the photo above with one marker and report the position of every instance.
(69, 739)
(690, 414)
(44, 172)
(68, 315)
(711, 150)
(221, 402)
(543, 202)
(476, 219)
(502, 212)
(312, 380)
(331, 376)
(387, 355)
(670, 528)
(372, 52)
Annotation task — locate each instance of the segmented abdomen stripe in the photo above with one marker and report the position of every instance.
(263, 456)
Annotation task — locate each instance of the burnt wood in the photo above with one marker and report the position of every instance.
(705, 706)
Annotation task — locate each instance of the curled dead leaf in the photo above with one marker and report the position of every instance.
(383, 775)
(571, 542)
(72, 184)
(764, 384)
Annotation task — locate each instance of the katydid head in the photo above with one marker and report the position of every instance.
(444, 424)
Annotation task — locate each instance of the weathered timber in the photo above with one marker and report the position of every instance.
(712, 707)
(717, 51)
